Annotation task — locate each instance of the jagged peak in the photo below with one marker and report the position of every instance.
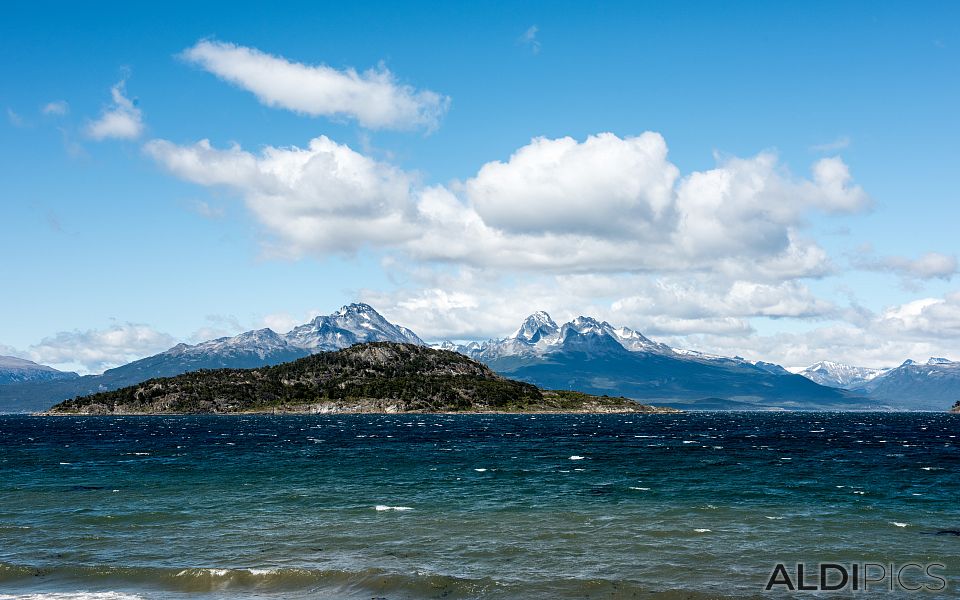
(535, 327)
(359, 308)
(936, 360)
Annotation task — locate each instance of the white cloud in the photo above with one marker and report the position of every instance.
(529, 38)
(607, 204)
(57, 108)
(839, 143)
(325, 198)
(478, 304)
(604, 186)
(15, 119)
(94, 350)
(924, 319)
(374, 97)
(122, 119)
(932, 265)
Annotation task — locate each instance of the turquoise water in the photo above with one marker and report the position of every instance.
(695, 505)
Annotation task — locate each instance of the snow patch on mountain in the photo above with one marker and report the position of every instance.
(839, 375)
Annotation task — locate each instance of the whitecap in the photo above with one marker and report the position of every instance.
(575, 457)
(383, 507)
(480, 470)
(640, 489)
(775, 518)
(898, 524)
(702, 530)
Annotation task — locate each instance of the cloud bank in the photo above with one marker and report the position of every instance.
(604, 204)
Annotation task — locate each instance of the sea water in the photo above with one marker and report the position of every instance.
(692, 505)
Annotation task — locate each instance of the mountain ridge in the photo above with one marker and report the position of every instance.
(376, 377)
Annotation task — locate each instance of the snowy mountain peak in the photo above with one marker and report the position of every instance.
(358, 308)
(352, 324)
(536, 327)
(938, 361)
(839, 375)
(909, 362)
(584, 324)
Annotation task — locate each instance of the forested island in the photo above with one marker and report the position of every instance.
(381, 377)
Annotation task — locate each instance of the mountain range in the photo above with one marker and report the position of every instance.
(584, 354)
(931, 385)
(598, 358)
(352, 324)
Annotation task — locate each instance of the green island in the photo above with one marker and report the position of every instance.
(380, 377)
(956, 407)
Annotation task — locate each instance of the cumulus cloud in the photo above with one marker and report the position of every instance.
(324, 198)
(617, 204)
(607, 204)
(924, 318)
(932, 265)
(374, 97)
(94, 350)
(57, 108)
(122, 119)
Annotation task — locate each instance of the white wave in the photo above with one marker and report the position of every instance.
(640, 489)
(775, 518)
(480, 470)
(898, 524)
(702, 530)
(383, 507)
(575, 457)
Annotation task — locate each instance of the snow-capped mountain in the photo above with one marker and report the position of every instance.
(261, 343)
(19, 370)
(593, 356)
(839, 375)
(539, 334)
(352, 324)
(933, 385)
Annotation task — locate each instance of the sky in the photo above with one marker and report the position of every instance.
(770, 180)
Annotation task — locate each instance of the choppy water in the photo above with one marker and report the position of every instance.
(498, 506)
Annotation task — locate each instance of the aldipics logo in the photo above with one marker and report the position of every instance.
(858, 577)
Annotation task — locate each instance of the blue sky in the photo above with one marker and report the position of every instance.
(118, 241)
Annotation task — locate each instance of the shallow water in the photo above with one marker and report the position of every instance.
(468, 506)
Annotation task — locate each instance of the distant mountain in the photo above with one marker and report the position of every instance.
(934, 385)
(352, 324)
(19, 370)
(379, 377)
(839, 375)
(598, 358)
